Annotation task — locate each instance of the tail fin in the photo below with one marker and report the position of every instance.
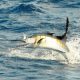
(67, 25)
(66, 30)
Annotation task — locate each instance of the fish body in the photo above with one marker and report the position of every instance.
(47, 41)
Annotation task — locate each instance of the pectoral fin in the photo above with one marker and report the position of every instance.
(38, 42)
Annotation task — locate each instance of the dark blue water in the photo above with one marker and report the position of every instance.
(18, 17)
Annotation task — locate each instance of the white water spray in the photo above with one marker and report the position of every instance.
(73, 56)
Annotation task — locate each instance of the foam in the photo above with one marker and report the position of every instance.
(73, 56)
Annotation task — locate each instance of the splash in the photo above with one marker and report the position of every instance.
(74, 46)
(35, 53)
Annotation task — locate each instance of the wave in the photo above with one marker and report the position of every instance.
(29, 8)
(62, 3)
(3, 28)
(23, 29)
(35, 5)
(73, 5)
(49, 1)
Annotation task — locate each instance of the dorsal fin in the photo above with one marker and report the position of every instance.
(63, 37)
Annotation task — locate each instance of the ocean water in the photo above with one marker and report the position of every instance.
(19, 17)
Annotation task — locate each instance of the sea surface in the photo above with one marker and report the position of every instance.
(29, 17)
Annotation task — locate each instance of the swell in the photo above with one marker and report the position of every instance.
(33, 6)
(62, 3)
(25, 8)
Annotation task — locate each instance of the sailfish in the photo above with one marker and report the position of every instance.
(48, 40)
